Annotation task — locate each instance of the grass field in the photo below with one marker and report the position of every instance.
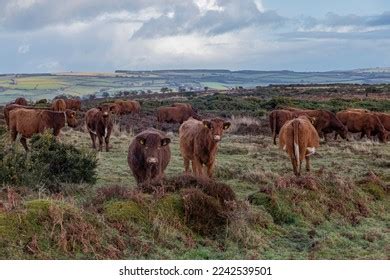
(339, 211)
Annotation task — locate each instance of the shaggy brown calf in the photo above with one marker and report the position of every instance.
(148, 156)
(28, 122)
(58, 105)
(178, 114)
(99, 124)
(299, 138)
(365, 123)
(21, 101)
(199, 143)
(73, 104)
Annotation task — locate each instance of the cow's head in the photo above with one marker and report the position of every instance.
(107, 109)
(151, 144)
(216, 128)
(71, 118)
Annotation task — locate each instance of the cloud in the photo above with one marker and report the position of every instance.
(100, 35)
(24, 48)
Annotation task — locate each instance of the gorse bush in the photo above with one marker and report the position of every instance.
(49, 164)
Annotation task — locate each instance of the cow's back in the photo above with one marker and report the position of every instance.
(187, 133)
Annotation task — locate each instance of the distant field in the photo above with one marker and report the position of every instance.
(48, 86)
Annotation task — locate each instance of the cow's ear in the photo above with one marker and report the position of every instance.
(100, 108)
(165, 141)
(226, 125)
(112, 108)
(207, 124)
(312, 119)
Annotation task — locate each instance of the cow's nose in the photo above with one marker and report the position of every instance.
(152, 160)
(217, 137)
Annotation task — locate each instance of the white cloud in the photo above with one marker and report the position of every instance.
(24, 48)
(259, 6)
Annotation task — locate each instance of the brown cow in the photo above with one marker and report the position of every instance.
(186, 105)
(73, 104)
(99, 124)
(365, 123)
(127, 107)
(21, 101)
(277, 119)
(199, 143)
(177, 114)
(325, 121)
(299, 139)
(148, 156)
(385, 119)
(28, 122)
(58, 105)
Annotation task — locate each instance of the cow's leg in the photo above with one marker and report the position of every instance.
(186, 165)
(93, 138)
(24, 143)
(107, 140)
(14, 134)
(295, 166)
(100, 142)
(307, 163)
(210, 169)
(335, 136)
(197, 165)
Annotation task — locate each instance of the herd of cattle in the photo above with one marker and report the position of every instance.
(149, 152)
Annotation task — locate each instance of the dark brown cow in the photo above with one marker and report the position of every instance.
(58, 105)
(148, 156)
(28, 122)
(99, 124)
(21, 101)
(199, 143)
(365, 123)
(73, 104)
(277, 119)
(177, 114)
(299, 139)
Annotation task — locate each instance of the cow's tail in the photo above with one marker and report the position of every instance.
(296, 141)
(274, 120)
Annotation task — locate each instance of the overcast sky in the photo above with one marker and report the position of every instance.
(102, 35)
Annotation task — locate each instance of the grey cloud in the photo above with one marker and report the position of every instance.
(234, 15)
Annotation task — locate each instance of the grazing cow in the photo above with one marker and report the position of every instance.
(58, 105)
(365, 123)
(277, 119)
(186, 105)
(127, 107)
(299, 139)
(148, 156)
(177, 114)
(28, 122)
(21, 101)
(199, 143)
(99, 124)
(73, 104)
(385, 119)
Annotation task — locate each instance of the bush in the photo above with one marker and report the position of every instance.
(50, 164)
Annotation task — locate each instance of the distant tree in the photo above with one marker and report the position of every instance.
(105, 94)
(126, 93)
(149, 91)
(92, 96)
(182, 89)
(206, 89)
(164, 89)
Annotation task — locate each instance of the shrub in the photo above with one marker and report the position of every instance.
(50, 164)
